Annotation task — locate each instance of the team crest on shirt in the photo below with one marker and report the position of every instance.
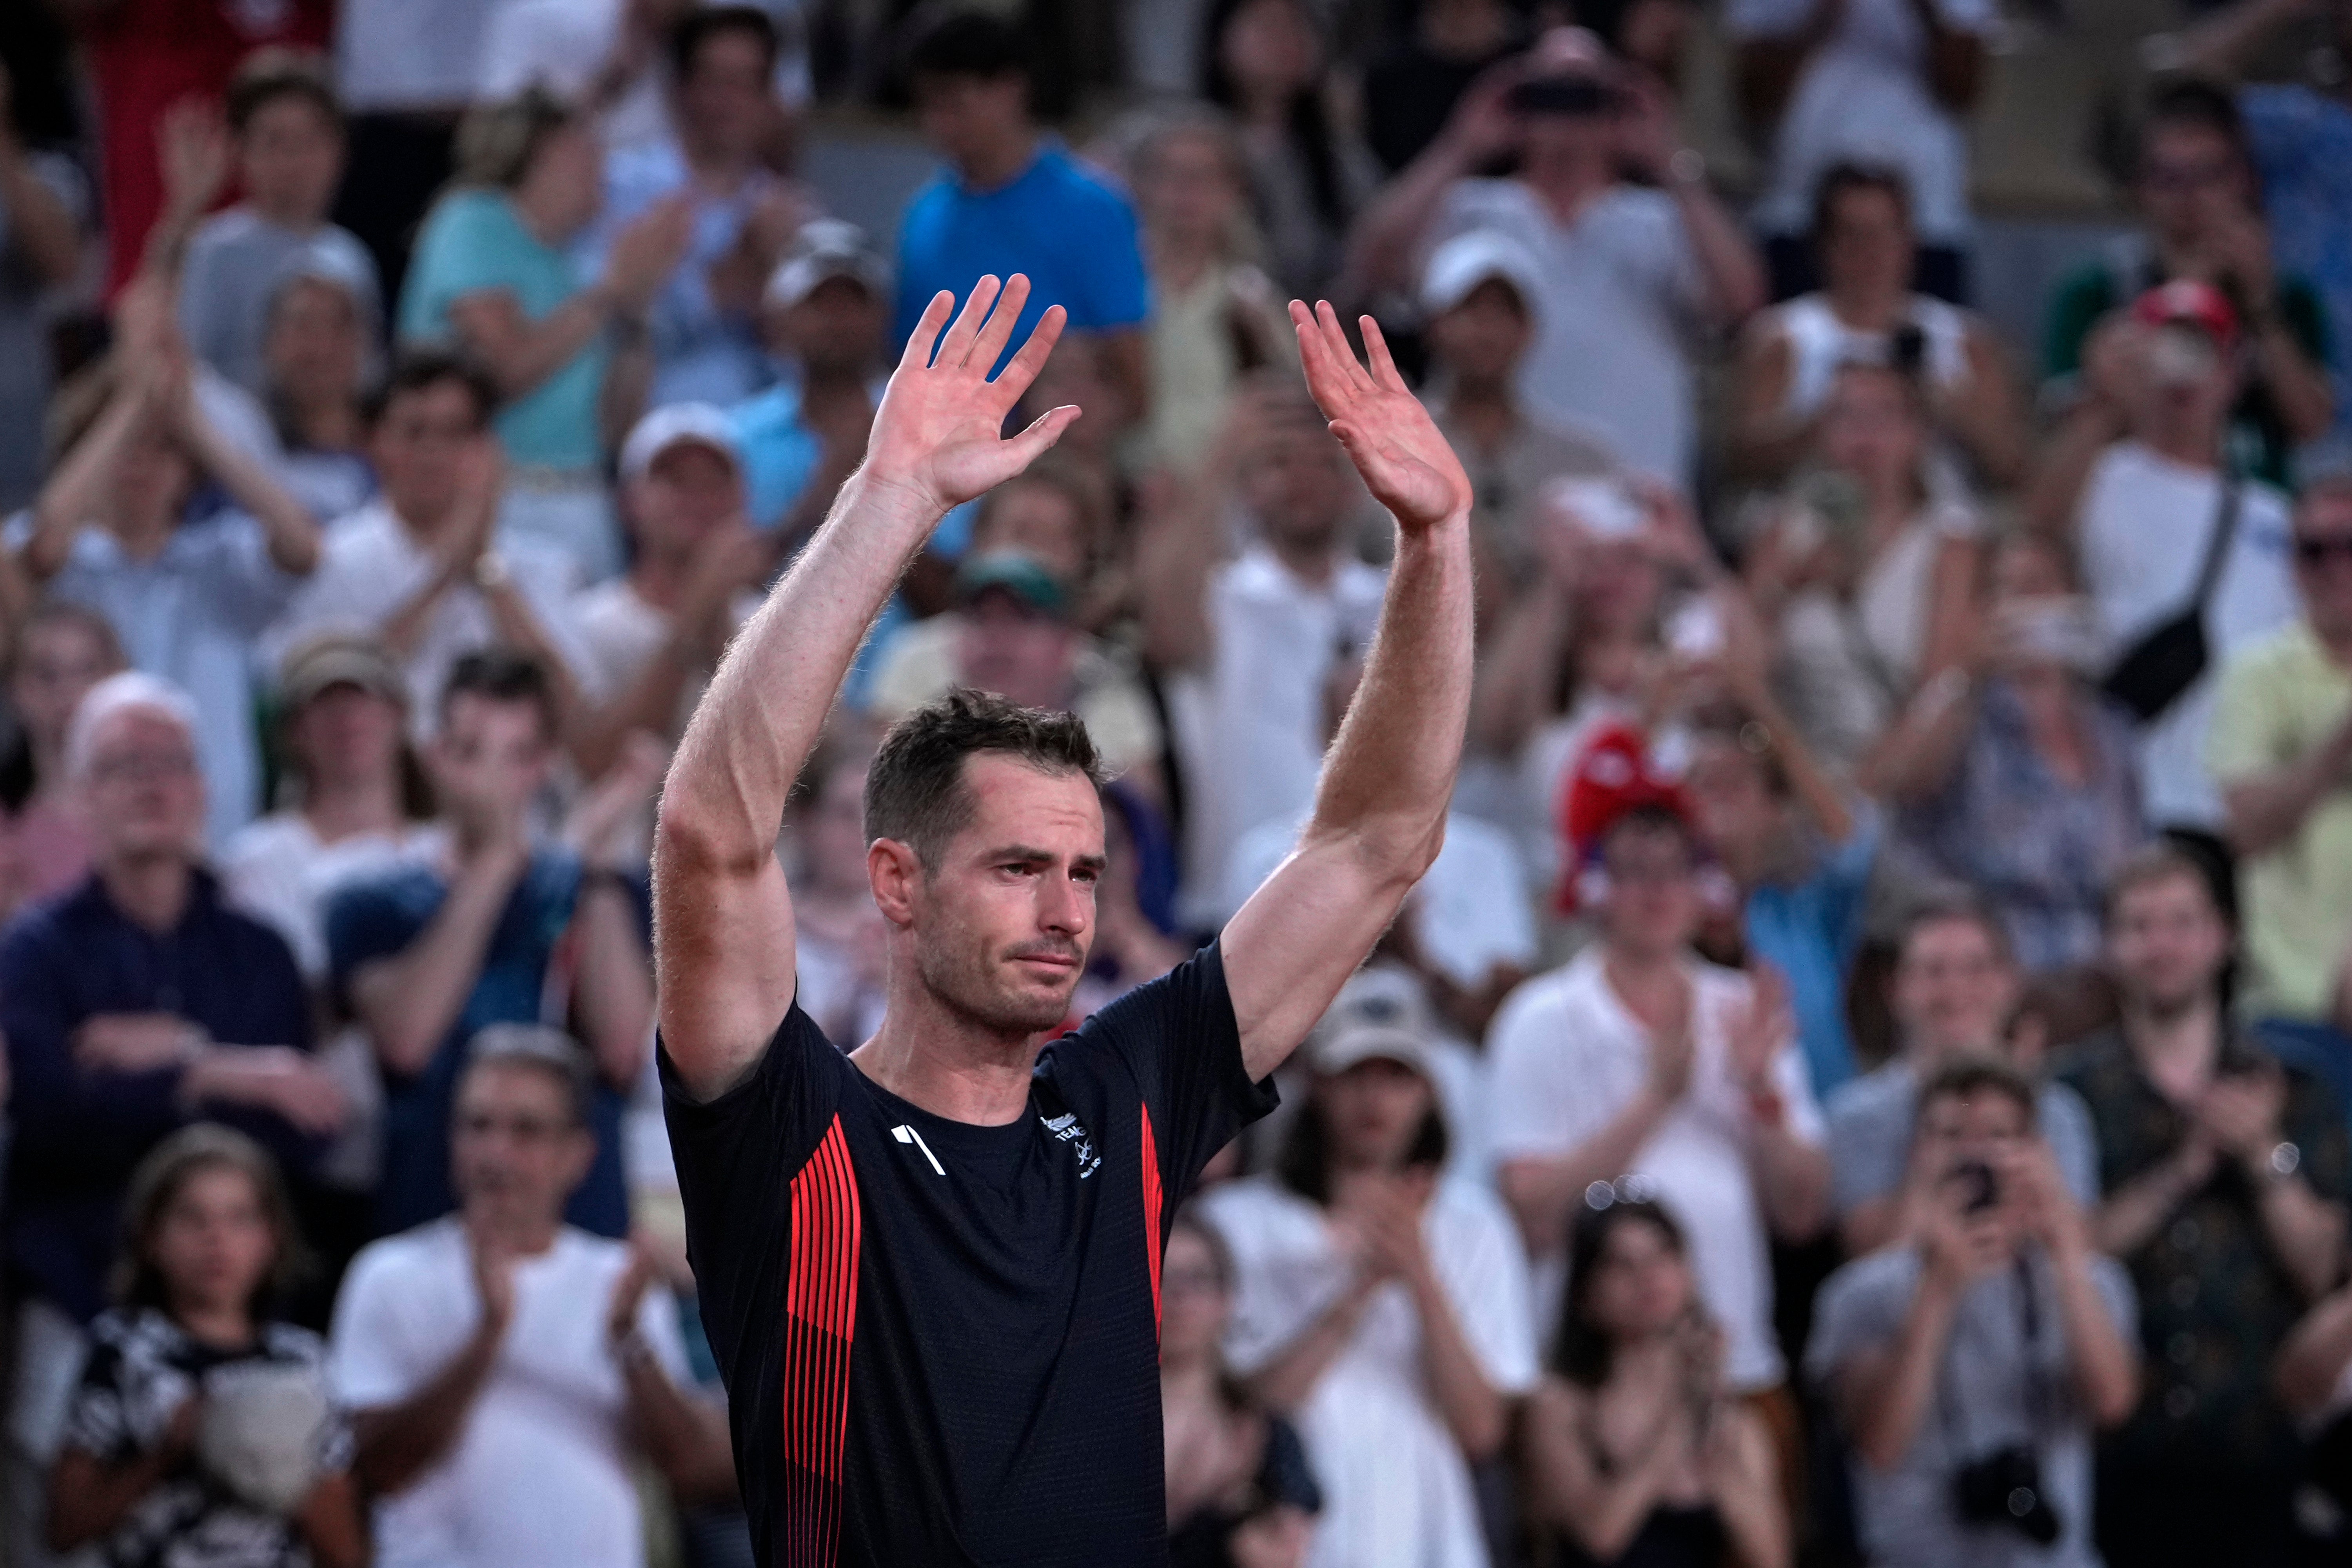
(1065, 1127)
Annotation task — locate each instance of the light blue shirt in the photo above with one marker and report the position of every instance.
(1808, 930)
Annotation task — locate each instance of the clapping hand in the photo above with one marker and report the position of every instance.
(1395, 446)
(938, 435)
(1761, 1030)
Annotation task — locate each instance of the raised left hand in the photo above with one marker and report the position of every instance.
(1389, 436)
(1759, 1031)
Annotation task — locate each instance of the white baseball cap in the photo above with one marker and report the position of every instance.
(1467, 260)
(825, 248)
(704, 424)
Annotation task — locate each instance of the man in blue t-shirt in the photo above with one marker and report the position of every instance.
(1009, 203)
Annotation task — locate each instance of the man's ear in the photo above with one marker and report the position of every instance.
(896, 874)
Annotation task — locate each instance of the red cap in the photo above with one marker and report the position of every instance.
(2187, 303)
(1613, 775)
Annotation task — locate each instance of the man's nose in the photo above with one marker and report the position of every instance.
(1065, 906)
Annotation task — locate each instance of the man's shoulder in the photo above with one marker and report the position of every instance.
(1537, 1007)
(1076, 187)
(1875, 1280)
(404, 1259)
(1885, 1090)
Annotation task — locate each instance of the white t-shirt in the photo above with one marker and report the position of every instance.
(1396, 1488)
(1568, 1058)
(541, 1472)
(1255, 713)
(1863, 95)
(2142, 528)
(370, 567)
(409, 54)
(1621, 294)
(277, 871)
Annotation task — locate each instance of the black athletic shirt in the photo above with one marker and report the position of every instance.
(940, 1341)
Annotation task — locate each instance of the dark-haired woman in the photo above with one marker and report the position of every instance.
(200, 1432)
(1240, 1492)
(1383, 1310)
(1635, 1457)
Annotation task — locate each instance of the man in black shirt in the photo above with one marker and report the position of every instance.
(930, 1269)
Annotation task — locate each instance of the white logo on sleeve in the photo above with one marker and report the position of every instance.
(1068, 1130)
(906, 1134)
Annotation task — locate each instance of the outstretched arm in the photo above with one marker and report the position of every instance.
(722, 920)
(1380, 809)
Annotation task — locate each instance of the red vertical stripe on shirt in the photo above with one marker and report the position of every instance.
(820, 1321)
(1151, 1200)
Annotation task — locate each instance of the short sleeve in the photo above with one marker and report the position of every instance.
(365, 1370)
(1860, 1307)
(367, 921)
(464, 248)
(1178, 1037)
(1868, 1148)
(2243, 738)
(1117, 293)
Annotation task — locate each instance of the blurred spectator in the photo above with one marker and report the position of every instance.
(201, 1428)
(2279, 749)
(1889, 80)
(2225, 1178)
(1479, 297)
(1635, 1453)
(1263, 61)
(505, 1371)
(1240, 1490)
(188, 589)
(289, 131)
(404, 69)
(822, 316)
(320, 366)
(1009, 202)
(2017, 777)
(1867, 311)
(1256, 639)
(1638, 1057)
(1629, 272)
(148, 58)
(2166, 524)
(43, 206)
(428, 954)
(1652, 36)
(414, 568)
(1955, 996)
(2298, 134)
(1800, 853)
(1215, 316)
(2194, 187)
(1413, 82)
(1383, 1308)
(494, 276)
(1868, 566)
(653, 635)
(704, 334)
(62, 650)
(838, 934)
(607, 56)
(131, 1006)
(2314, 1379)
(355, 795)
(1971, 1363)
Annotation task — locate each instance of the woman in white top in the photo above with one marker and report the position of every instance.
(1866, 310)
(1867, 567)
(1384, 1309)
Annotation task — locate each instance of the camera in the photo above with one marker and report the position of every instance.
(1983, 1185)
(1576, 95)
(2005, 1487)
(1907, 348)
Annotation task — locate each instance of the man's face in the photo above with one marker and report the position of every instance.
(290, 158)
(971, 117)
(1483, 338)
(723, 103)
(1296, 482)
(419, 447)
(315, 348)
(1041, 521)
(835, 330)
(1954, 989)
(1984, 1126)
(145, 790)
(2322, 560)
(2184, 380)
(59, 662)
(1652, 906)
(1551, 139)
(1002, 925)
(516, 1151)
(1736, 809)
(1373, 1110)
(491, 757)
(2191, 181)
(1866, 245)
(2166, 942)
(1008, 647)
(346, 732)
(1189, 189)
(686, 494)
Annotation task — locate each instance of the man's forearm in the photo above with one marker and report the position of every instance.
(409, 1002)
(2105, 1371)
(2263, 811)
(1793, 1179)
(2306, 1231)
(398, 1442)
(1891, 1414)
(614, 996)
(686, 1442)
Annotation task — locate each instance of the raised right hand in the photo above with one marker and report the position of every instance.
(493, 1267)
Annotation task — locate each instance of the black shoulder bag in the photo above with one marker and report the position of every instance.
(2166, 661)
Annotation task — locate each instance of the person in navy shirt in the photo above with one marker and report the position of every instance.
(1009, 202)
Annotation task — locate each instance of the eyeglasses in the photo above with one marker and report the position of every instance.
(2317, 550)
(521, 1129)
(144, 767)
(1628, 1189)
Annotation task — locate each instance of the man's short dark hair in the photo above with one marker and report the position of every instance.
(1652, 819)
(2190, 102)
(966, 44)
(685, 39)
(416, 370)
(503, 675)
(2160, 861)
(914, 790)
(1848, 175)
(1948, 905)
(1972, 1076)
(535, 1047)
(268, 75)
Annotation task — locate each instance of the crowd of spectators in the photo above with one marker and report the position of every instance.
(1868, 1081)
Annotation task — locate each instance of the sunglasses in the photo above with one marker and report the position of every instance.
(2317, 550)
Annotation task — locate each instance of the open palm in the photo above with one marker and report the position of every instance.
(1393, 442)
(941, 428)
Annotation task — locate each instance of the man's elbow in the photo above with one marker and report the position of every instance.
(2112, 1404)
